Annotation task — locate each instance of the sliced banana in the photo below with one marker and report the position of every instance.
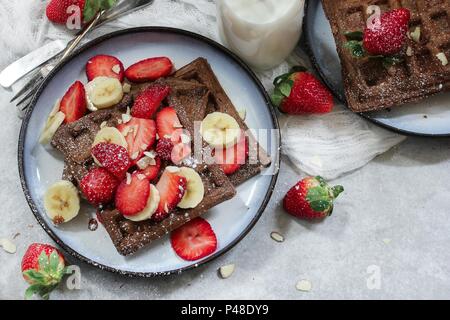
(194, 189)
(54, 121)
(62, 202)
(220, 130)
(104, 92)
(110, 135)
(150, 208)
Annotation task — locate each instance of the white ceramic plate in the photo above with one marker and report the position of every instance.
(39, 167)
(429, 117)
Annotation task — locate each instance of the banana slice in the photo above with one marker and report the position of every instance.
(62, 202)
(110, 135)
(220, 130)
(104, 92)
(150, 208)
(194, 190)
(55, 119)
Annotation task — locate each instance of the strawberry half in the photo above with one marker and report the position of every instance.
(132, 195)
(231, 159)
(299, 92)
(311, 198)
(73, 103)
(167, 123)
(164, 149)
(194, 240)
(152, 171)
(149, 69)
(140, 135)
(106, 66)
(43, 267)
(171, 187)
(112, 157)
(148, 101)
(98, 186)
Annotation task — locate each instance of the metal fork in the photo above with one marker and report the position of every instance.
(26, 94)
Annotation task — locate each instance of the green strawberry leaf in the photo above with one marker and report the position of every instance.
(54, 261)
(354, 35)
(280, 79)
(35, 276)
(356, 48)
(286, 87)
(321, 205)
(277, 98)
(337, 190)
(43, 261)
(91, 8)
(31, 290)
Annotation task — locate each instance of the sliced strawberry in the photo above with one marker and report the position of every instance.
(112, 157)
(164, 149)
(180, 152)
(98, 186)
(73, 104)
(148, 101)
(171, 187)
(167, 123)
(152, 171)
(104, 65)
(194, 240)
(132, 195)
(231, 159)
(149, 69)
(140, 135)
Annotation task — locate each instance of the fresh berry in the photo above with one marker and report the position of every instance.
(148, 101)
(299, 92)
(167, 123)
(388, 36)
(98, 186)
(231, 159)
(43, 267)
(149, 69)
(171, 187)
(311, 198)
(73, 104)
(112, 157)
(152, 171)
(57, 10)
(194, 240)
(164, 149)
(104, 66)
(132, 195)
(140, 135)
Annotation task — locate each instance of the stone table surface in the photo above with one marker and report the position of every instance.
(388, 237)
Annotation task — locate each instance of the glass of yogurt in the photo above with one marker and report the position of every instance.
(262, 32)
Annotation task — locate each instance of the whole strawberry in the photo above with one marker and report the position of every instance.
(299, 92)
(388, 36)
(57, 10)
(311, 198)
(43, 267)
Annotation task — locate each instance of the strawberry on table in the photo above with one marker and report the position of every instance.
(149, 100)
(140, 135)
(311, 198)
(43, 267)
(98, 186)
(171, 187)
(73, 103)
(299, 92)
(112, 157)
(104, 66)
(194, 240)
(149, 69)
(132, 195)
(58, 11)
(231, 159)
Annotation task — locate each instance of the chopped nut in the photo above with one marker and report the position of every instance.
(304, 285)
(126, 88)
(276, 236)
(387, 241)
(135, 155)
(104, 123)
(415, 35)
(128, 178)
(126, 118)
(167, 136)
(409, 52)
(150, 154)
(441, 56)
(8, 246)
(226, 271)
(128, 110)
(116, 69)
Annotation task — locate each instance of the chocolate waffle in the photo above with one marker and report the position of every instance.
(199, 71)
(368, 84)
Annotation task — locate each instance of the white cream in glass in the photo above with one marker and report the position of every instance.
(262, 32)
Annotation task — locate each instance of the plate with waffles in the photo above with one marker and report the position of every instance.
(403, 86)
(150, 151)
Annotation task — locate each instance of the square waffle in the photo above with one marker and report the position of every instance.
(368, 84)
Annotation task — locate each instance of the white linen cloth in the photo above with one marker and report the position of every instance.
(328, 145)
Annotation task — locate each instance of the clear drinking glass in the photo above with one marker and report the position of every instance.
(262, 32)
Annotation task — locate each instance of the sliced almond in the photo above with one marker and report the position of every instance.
(415, 35)
(177, 125)
(135, 155)
(126, 87)
(173, 169)
(304, 285)
(387, 241)
(116, 69)
(443, 58)
(226, 271)
(8, 246)
(409, 51)
(150, 154)
(128, 178)
(126, 118)
(103, 124)
(277, 236)
(128, 110)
